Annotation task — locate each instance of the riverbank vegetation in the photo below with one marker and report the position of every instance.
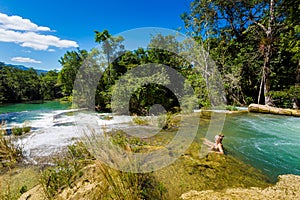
(19, 85)
(255, 46)
(10, 153)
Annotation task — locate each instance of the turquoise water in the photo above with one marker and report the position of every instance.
(268, 142)
(18, 113)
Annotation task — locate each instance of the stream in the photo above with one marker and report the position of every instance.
(268, 142)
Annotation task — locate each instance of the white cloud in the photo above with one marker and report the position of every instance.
(18, 23)
(51, 50)
(24, 32)
(25, 60)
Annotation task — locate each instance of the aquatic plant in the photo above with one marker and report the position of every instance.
(167, 121)
(140, 120)
(124, 141)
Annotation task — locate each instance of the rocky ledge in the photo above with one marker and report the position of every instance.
(288, 187)
(273, 110)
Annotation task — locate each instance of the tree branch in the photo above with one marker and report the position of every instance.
(260, 25)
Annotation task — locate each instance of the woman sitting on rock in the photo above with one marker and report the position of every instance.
(218, 146)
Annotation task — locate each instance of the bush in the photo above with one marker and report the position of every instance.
(231, 108)
(20, 130)
(284, 98)
(26, 129)
(126, 185)
(109, 183)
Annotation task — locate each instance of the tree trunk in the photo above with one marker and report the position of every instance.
(268, 54)
(266, 76)
(260, 87)
(295, 100)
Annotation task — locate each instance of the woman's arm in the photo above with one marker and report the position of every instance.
(220, 148)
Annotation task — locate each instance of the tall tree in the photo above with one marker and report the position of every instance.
(49, 86)
(111, 49)
(233, 18)
(71, 62)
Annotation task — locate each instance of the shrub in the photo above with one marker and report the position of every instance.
(26, 129)
(17, 131)
(126, 185)
(109, 183)
(231, 108)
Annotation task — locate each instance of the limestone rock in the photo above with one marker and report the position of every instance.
(288, 187)
(273, 110)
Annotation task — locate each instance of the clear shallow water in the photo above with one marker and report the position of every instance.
(268, 142)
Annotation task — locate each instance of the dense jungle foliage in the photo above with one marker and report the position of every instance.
(255, 45)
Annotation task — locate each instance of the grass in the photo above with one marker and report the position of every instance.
(125, 185)
(10, 153)
(17, 181)
(18, 131)
(109, 183)
(66, 171)
(13, 180)
(168, 121)
(126, 142)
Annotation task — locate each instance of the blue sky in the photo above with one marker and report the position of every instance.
(36, 33)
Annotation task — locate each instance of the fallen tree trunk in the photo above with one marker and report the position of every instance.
(273, 110)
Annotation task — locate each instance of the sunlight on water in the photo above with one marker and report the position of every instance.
(16, 114)
(268, 142)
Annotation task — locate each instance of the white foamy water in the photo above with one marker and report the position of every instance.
(54, 131)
